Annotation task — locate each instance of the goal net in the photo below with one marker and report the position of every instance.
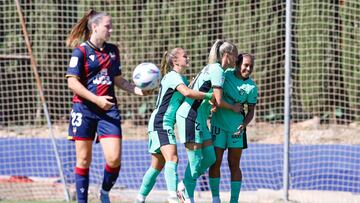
(325, 96)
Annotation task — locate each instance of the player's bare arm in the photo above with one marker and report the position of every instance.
(248, 117)
(102, 101)
(187, 92)
(219, 102)
(127, 86)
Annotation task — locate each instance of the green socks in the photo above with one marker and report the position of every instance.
(171, 176)
(214, 186)
(190, 183)
(235, 191)
(194, 157)
(148, 181)
(208, 159)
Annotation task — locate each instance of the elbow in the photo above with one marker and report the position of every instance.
(187, 93)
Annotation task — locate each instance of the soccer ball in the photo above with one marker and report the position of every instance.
(146, 76)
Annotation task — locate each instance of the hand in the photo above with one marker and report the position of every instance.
(147, 92)
(104, 103)
(237, 108)
(212, 102)
(213, 109)
(142, 92)
(240, 129)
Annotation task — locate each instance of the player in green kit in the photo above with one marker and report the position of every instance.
(229, 128)
(192, 115)
(162, 140)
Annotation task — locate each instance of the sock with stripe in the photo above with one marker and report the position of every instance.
(110, 176)
(82, 184)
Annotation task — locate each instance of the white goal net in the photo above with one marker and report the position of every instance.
(325, 91)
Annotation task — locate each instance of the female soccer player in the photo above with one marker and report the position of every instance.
(229, 128)
(162, 140)
(93, 71)
(192, 116)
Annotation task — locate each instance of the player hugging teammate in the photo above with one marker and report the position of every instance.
(226, 81)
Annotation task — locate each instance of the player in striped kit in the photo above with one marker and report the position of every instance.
(192, 115)
(93, 71)
(229, 128)
(162, 140)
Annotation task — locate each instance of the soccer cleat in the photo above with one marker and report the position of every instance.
(138, 201)
(104, 197)
(216, 200)
(180, 192)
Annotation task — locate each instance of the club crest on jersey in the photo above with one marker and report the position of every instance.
(102, 78)
(242, 91)
(92, 57)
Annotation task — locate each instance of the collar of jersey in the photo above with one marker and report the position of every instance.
(95, 47)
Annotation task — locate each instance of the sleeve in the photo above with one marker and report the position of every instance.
(217, 76)
(176, 81)
(76, 63)
(252, 97)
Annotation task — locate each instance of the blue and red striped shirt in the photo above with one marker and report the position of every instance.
(95, 68)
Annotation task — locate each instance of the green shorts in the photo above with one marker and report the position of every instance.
(158, 139)
(192, 131)
(225, 139)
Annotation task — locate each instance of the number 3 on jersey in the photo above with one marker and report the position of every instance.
(76, 119)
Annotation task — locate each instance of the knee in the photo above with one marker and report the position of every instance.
(114, 162)
(233, 166)
(83, 162)
(173, 158)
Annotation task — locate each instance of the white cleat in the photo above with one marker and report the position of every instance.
(180, 192)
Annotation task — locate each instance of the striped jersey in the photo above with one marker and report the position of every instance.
(210, 76)
(168, 101)
(95, 68)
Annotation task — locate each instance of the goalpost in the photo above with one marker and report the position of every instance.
(324, 97)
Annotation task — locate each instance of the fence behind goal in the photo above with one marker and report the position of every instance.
(325, 96)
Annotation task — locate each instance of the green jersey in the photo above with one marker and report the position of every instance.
(211, 76)
(167, 103)
(235, 90)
